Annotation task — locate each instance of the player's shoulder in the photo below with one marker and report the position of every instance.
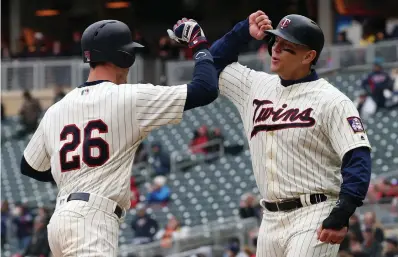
(331, 96)
(328, 90)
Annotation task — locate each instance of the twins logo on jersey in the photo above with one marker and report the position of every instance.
(268, 118)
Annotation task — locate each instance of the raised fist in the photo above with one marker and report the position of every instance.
(258, 24)
(187, 31)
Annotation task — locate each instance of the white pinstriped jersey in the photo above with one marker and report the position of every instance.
(297, 135)
(90, 137)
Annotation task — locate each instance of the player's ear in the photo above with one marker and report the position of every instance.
(309, 57)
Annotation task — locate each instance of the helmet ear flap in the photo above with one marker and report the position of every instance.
(123, 59)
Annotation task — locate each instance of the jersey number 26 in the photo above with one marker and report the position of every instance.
(89, 142)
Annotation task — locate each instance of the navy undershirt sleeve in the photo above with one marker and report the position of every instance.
(356, 172)
(27, 170)
(226, 50)
(203, 89)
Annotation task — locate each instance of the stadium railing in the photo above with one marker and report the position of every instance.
(42, 73)
(212, 234)
(184, 159)
(332, 58)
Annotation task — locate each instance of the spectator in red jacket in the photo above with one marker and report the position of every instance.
(135, 194)
(200, 137)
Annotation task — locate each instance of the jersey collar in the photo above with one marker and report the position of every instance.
(92, 83)
(311, 77)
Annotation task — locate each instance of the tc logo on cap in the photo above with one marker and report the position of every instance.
(284, 23)
(87, 55)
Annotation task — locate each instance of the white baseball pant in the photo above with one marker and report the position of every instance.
(294, 233)
(84, 229)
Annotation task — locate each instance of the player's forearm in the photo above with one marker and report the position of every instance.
(356, 171)
(203, 89)
(27, 170)
(226, 50)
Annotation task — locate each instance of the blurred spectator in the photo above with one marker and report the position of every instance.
(23, 50)
(383, 191)
(56, 50)
(215, 135)
(367, 39)
(248, 207)
(173, 231)
(391, 248)
(5, 215)
(376, 82)
(355, 228)
(356, 248)
(371, 223)
(135, 194)
(249, 252)
(342, 39)
(158, 192)
(165, 51)
(380, 36)
(29, 115)
(233, 248)
(38, 49)
(254, 243)
(394, 76)
(75, 49)
(365, 105)
(23, 221)
(144, 51)
(160, 160)
(141, 155)
(42, 215)
(371, 246)
(3, 116)
(58, 93)
(5, 51)
(200, 137)
(144, 227)
(38, 246)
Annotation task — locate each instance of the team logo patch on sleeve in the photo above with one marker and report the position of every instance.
(356, 124)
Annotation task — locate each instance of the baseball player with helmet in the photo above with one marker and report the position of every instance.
(310, 153)
(87, 141)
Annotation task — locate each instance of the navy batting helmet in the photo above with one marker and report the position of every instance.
(299, 30)
(109, 41)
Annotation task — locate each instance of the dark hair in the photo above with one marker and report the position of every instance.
(26, 94)
(93, 65)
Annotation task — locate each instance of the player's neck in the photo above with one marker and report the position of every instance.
(310, 76)
(102, 73)
(297, 75)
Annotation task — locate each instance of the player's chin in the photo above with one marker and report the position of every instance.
(275, 67)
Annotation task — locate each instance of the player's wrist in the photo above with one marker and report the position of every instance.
(202, 54)
(200, 46)
(200, 41)
(340, 215)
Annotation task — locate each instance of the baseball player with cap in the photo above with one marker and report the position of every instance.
(86, 142)
(310, 153)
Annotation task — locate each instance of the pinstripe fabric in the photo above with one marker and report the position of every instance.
(293, 233)
(130, 113)
(79, 228)
(297, 135)
(127, 114)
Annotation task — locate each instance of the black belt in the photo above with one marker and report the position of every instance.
(86, 196)
(290, 204)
